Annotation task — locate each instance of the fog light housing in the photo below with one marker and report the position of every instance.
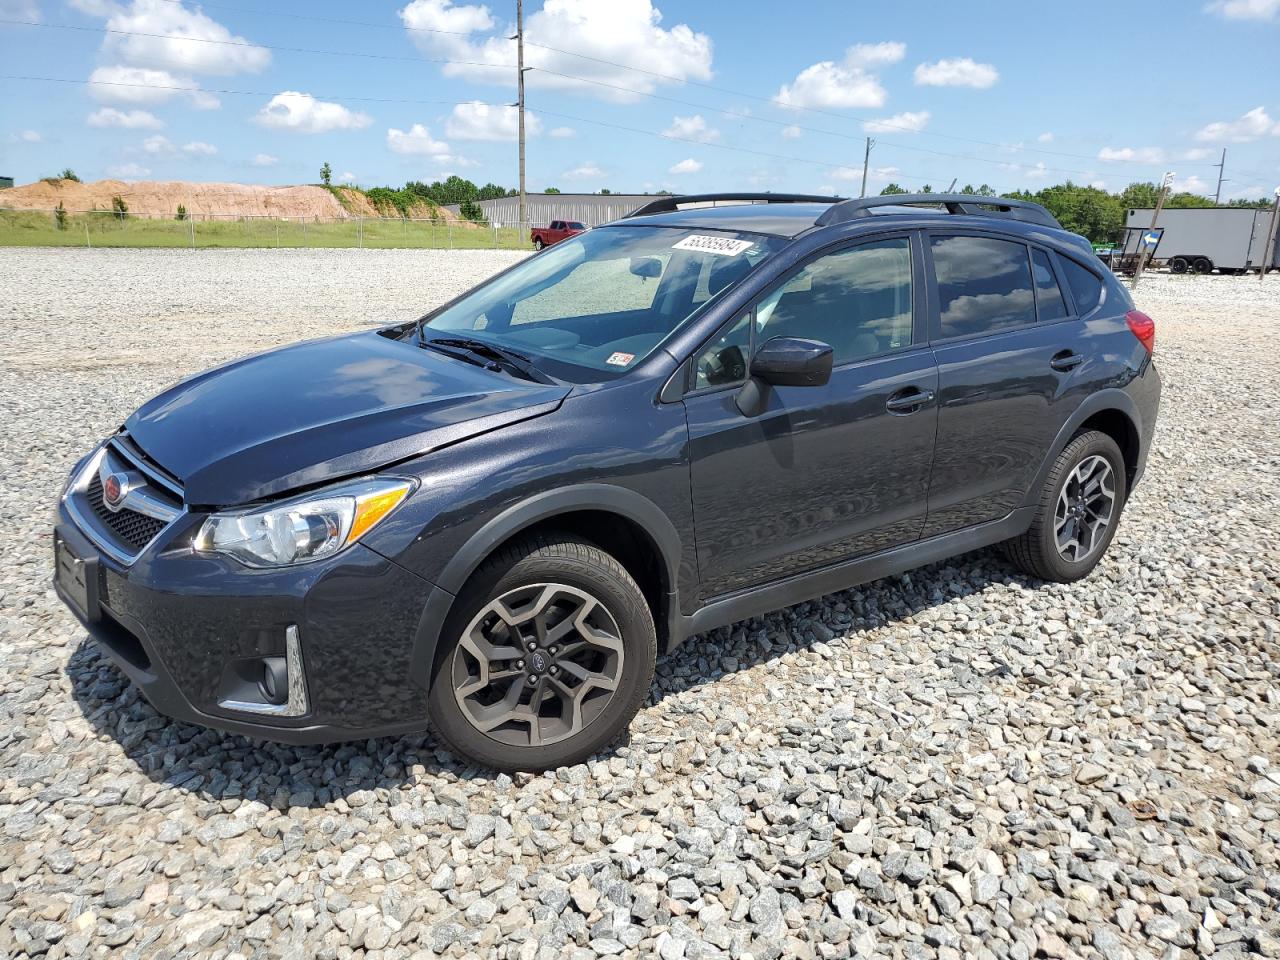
(271, 686)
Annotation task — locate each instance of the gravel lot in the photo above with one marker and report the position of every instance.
(954, 763)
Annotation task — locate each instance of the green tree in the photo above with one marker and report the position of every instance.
(119, 207)
(892, 189)
(605, 191)
(470, 210)
(551, 190)
(68, 174)
(181, 214)
(1139, 195)
(326, 173)
(491, 191)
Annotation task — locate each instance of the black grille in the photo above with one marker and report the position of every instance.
(131, 528)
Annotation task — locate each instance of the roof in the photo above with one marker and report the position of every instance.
(774, 219)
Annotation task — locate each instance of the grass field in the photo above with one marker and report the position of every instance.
(23, 228)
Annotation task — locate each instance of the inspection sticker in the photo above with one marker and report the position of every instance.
(620, 359)
(724, 246)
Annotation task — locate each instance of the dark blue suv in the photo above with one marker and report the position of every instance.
(493, 520)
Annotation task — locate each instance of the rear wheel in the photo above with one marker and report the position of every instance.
(1178, 264)
(1202, 265)
(1078, 512)
(538, 244)
(550, 651)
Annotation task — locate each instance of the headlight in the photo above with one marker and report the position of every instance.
(308, 528)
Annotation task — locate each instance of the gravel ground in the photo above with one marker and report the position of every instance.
(954, 763)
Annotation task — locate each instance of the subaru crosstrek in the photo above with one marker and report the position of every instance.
(491, 521)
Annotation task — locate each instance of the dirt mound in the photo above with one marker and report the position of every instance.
(160, 198)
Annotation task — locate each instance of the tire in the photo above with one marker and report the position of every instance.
(1037, 550)
(543, 583)
(1202, 265)
(1178, 264)
(538, 244)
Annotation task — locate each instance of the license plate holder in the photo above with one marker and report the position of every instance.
(75, 571)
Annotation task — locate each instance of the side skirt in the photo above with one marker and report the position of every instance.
(730, 608)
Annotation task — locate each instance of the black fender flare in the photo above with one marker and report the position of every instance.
(604, 497)
(1109, 399)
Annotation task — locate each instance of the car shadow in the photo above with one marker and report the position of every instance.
(221, 766)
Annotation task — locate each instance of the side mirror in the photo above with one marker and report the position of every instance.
(793, 362)
(646, 267)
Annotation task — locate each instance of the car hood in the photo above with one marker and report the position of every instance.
(321, 411)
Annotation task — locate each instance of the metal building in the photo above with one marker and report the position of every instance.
(6, 183)
(590, 209)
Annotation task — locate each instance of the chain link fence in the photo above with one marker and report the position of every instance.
(97, 228)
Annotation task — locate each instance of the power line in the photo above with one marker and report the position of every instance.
(354, 99)
(623, 66)
(1004, 164)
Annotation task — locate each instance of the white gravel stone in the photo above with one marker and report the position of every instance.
(955, 762)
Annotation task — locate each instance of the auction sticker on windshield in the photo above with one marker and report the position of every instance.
(620, 359)
(724, 246)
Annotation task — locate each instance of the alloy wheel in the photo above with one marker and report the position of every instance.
(1085, 508)
(537, 664)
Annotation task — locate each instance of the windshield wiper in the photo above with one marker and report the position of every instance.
(491, 355)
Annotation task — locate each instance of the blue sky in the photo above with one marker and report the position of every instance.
(646, 94)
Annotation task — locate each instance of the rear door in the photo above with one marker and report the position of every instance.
(1013, 359)
(824, 473)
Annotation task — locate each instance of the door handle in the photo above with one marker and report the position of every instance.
(1065, 360)
(908, 400)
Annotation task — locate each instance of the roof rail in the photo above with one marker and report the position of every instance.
(957, 204)
(667, 204)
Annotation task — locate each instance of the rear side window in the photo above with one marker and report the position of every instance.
(984, 285)
(1084, 284)
(1048, 296)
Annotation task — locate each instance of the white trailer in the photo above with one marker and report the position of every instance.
(1202, 239)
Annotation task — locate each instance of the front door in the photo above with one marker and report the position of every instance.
(824, 473)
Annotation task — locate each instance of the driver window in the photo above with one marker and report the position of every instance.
(724, 361)
(857, 299)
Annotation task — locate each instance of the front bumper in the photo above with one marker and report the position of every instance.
(180, 624)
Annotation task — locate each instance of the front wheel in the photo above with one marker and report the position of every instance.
(546, 657)
(538, 244)
(1078, 511)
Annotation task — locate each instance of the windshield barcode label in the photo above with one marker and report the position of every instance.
(725, 246)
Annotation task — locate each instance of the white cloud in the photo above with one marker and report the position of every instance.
(475, 120)
(1196, 154)
(623, 32)
(168, 36)
(1098, 184)
(95, 8)
(562, 133)
(875, 54)
(1191, 184)
(127, 119)
(417, 141)
(160, 146)
(1046, 137)
(584, 171)
(31, 136)
(1037, 173)
(691, 128)
(906, 122)
(347, 177)
(855, 173)
(847, 84)
(263, 160)
(1251, 126)
(689, 165)
(1141, 154)
(791, 133)
(129, 171)
(303, 113)
(957, 72)
(121, 84)
(1245, 9)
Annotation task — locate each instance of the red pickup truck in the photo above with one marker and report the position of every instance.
(559, 230)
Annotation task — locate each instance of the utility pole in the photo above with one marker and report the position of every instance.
(520, 100)
(1155, 215)
(1268, 248)
(866, 162)
(1221, 165)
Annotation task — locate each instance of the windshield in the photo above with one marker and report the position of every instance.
(593, 306)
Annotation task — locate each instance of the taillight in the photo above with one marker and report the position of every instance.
(1143, 327)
